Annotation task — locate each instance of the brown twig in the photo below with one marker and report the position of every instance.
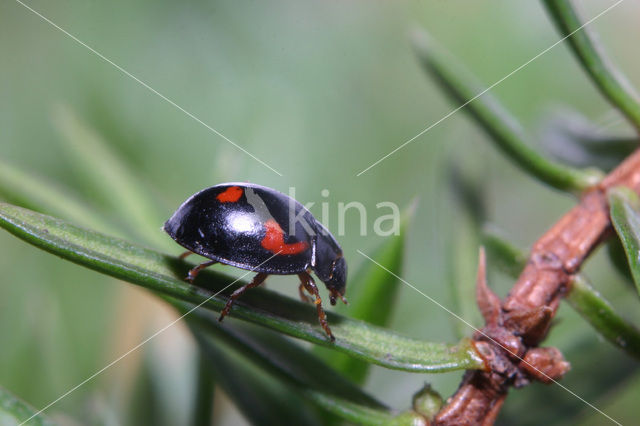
(514, 327)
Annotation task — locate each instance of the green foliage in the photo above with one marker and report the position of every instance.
(14, 412)
(108, 176)
(280, 356)
(363, 343)
(270, 377)
(162, 273)
(625, 215)
(264, 399)
(606, 78)
(372, 293)
(205, 391)
(575, 140)
(158, 272)
(603, 316)
(29, 191)
(502, 254)
(462, 250)
(503, 128)
(301, 374)
(580, 148)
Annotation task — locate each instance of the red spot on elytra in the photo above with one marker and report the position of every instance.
(274, 240)
(230, 195)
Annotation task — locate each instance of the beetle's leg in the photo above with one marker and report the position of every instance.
(193, 273)
(311, 287)
(257, 280)
(303, 296)
(185, 254)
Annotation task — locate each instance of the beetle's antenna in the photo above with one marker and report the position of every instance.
(333, 295)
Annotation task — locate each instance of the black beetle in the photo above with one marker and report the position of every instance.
(257, 228)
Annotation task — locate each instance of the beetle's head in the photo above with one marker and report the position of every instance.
(330, 266)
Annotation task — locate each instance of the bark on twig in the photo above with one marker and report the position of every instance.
(509, 343)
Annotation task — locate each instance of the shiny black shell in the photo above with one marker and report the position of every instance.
(248, 226)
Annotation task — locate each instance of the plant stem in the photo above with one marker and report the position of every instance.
(603, 317)
(611, 83)
(582, 297)
(502, 127)
(625, 215)
(161, 273)
(553, 261)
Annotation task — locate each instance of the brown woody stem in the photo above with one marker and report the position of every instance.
(531, 304)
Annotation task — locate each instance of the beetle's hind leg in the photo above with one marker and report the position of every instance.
(257, 280)
(193, 272)
(311, 287)
(303, 296)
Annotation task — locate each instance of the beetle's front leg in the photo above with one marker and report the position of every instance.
(311, 287)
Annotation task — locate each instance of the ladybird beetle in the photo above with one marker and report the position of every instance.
(257, 228)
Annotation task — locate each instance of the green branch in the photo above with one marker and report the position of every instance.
(14, 411)
(504, 130)
(38, 193)
(467, 213)
(372, 295)
(603, 317)
(625, 215)
(303, 373)
(162, 273)
(611, 83)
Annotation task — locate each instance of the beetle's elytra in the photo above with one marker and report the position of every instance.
(257, 228)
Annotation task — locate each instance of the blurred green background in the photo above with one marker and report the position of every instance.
(319, 91)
